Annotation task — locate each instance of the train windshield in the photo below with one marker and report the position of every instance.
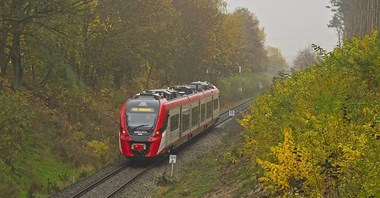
(142, 115)
(141, 119)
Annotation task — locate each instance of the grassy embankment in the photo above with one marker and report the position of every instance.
(50, 139)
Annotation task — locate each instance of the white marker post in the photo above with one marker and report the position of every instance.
(172, 160)
(231, 113)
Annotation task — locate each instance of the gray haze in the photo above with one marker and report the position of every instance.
(292, 25)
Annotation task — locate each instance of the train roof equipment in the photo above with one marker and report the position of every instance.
(176, 91)
(201, 86)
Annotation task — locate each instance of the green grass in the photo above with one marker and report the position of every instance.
(34, 168)
(42, 173)
(196, 182)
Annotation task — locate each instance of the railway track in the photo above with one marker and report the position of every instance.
(100, 181)
(119, 177)
(224, 116)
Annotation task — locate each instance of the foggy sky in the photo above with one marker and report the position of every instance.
(292, 25)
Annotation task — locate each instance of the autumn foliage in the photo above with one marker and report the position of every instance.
(317, 132)
(67, 66)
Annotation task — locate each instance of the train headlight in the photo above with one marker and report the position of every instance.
(157, 133)
(123, 131)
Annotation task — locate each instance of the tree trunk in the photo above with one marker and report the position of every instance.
(117, 78)
(118, 72)
(16, 56)
(3, 46)
(150, 70)
(3, 56)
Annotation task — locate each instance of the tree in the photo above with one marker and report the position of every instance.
(359, 17)
(200, 22)
(4, 33)
(19, 15)
(133, 44)
(336, 22)
(276, 60)
(305, 58)
(252, 54)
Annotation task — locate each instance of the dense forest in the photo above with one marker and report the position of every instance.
(66, 67)
(316, 132)
(108, 43)
(355, 18)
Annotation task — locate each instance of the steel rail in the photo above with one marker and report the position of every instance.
(98, 182)
(243, 106)
(130, 180)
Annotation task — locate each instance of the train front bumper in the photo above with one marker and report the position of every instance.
(139, 147)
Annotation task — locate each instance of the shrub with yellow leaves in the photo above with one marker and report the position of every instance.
(294, 169)
(98, 150)
(317, 132)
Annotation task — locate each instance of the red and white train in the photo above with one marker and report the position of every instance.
(156, 121)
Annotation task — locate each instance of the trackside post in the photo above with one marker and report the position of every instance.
(172, 160)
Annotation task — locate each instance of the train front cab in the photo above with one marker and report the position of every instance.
(143, 125)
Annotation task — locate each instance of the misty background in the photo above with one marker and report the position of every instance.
(292, 25)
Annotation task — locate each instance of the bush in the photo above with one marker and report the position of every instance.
(316, 132)
(16, 118)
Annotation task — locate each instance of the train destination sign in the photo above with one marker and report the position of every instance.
(135, 109)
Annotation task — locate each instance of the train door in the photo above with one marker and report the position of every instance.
(209, 109)
(195, 112)
(212, 108)
(199, 113)
(185, 119)
(174, 125)
(203, 111)
(216, 107)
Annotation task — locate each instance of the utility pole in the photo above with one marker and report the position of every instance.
(241, 82)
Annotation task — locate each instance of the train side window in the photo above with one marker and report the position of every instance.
(174, 122)
(194, 116)
(203, 112)
(216, 104)
(185, 121)
(209, 109)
